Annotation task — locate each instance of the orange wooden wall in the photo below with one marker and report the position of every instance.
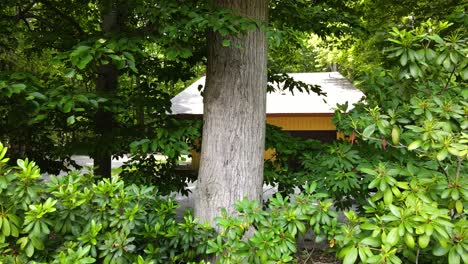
(304, 122)
(288, 122)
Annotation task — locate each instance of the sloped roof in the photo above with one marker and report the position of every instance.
(338, 90)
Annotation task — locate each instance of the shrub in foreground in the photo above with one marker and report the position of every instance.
(76, 219)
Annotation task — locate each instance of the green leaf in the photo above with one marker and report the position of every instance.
(453, 57)
(390, 218)
(455, 194)
(17, 87)
(459, 206)
(409, 240)
(395, 210)
(439, 251)
(39, 95)
(414, 145)
(131, 65)
(436, 38)
(368, 131)
(5, 227)
(81, 49)
(395, 135)
(68, 106)
(185, 53)
(369, 226)
(226, 43)
(447, 64)
(115, 57)
(420, 54)
(369, 171)
(442, 154)
(29, 250)
(70, 73)
(351, 256)
(71, 120)
(393, 237)
(82, 98)
(414, 70)
(430, 54)
(453, 257)
(371, 241)
(388, 196)
(84, 61)
(423, 241)
(404, 59)
(129, 56)
(37, 243)
(464, 74)
(441, 58)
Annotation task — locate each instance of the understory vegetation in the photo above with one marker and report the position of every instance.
(393, 189)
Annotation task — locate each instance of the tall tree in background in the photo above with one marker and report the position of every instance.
(234, 115)
(106, 86)
(77, 51)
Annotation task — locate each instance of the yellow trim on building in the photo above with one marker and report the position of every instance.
(302, 123)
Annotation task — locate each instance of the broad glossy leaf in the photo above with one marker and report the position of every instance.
(414, 145)
(453, 256)
(368, 131)
(409, 240)
(438, 250)
(442, 154)
(83, 62)
(423, 241)
(351, 256)
(393, 237)
(404, 59)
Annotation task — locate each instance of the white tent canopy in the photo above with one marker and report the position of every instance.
(338, 90)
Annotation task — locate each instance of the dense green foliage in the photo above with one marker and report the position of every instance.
(404, 164)
(416, 110)
(79, 219)
(402, 168)
(155, 47)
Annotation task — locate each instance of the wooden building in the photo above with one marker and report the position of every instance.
(300, 114)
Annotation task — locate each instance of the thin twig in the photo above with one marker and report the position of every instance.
(400, 145)
(309, 255)
(417, 257)
(445, 172)
(459, 163)
(450, 77)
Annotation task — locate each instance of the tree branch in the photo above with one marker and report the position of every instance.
(70, 19)
(21, 14)
(29, 15)
(28, 7)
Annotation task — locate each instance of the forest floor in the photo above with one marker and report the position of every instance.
(316, 256)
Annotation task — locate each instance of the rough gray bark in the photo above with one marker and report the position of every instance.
(106, 86)
(231, 165)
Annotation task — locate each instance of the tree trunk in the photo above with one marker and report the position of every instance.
(106, 86)
(231, 165)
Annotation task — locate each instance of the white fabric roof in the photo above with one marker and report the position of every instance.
(338, 90)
